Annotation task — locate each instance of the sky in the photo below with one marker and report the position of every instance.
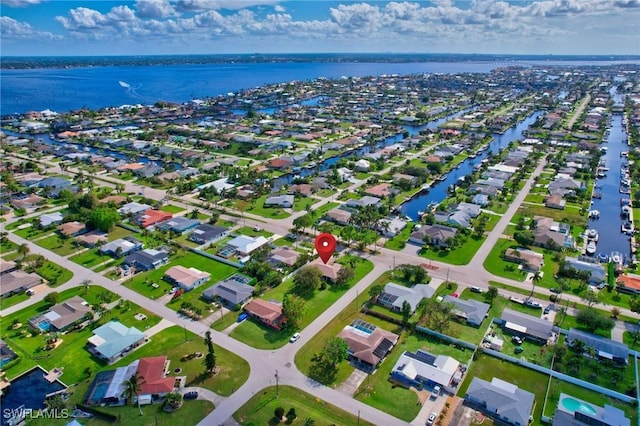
(164, 27)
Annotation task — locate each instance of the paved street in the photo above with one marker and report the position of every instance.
(263, 363)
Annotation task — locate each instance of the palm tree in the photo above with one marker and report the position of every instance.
(23, 251)
(535, 280)
(131, 388)
(309, 422)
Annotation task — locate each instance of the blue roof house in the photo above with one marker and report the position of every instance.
(113, 340)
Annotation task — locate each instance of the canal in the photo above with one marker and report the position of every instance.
(609, 226)
(438, 191)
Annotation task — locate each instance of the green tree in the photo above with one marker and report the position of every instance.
(591, 297)
(55, 403)
(132, 387)
(103, 218)
(406, 312)
(491, 294)
(52, 298)
(307, 280)
(324, 365)
(23, 250)
(590, 319)
(293, 308)
(278, 413)
(344, 275)
(210, 358)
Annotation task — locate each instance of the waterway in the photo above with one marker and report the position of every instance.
(610, 223)
(438, 191)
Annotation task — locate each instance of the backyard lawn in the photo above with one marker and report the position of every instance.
(259, 409)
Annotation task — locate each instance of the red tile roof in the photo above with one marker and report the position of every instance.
(152, 370)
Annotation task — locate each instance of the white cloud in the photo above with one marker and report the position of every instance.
(156, 9)
(278, 8)
(20, 3)
(203, 5)
(10, 29)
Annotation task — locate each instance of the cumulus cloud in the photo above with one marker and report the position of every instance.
(19, 3)
(156, 9)
(11, 29)
(204, 5)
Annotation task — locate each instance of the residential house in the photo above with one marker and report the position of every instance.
(121, 246)
(51, 219)
(147, 259)
(527, 326)
(362, 165)
(267, 312)
(528, 259)
(148, 171)
(329, 270)
(178, 225)
(72, 229)
(597, 271)
(284, 254)
(150, 218)
(500, 400)
(604, 348)
(233, 291)
(480, 199)
(363, 202)
(18, 282)
(564, 185)
(398, 177)
(472, 311)
(284, 201)
(133, 208)
(28, 201)
(555, 202)
(7, 266)
(368, 345)
(279, 163)
(186, 278)
(61, 316)
(583, 413)
(303, 189)
(92, 238)
(117, 200)
(6, 354)
(155, 383)
(339, 215)
(422, 369)
(113, 340)
(390, 227)
(394, 296)
(53, 183)
(435, 235)
(382, 190)
(245, 245)
(206, 233)
(489, 191)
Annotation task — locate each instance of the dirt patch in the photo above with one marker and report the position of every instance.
(423, 395)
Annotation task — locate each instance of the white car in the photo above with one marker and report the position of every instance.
(294, 338)
(431, 419)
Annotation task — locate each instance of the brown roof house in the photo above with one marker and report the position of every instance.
(186, 278)
(555, 202)
(268, 313)
(72, 229)
(61, 316)
(436, 235)
(368, 344)
(285, 255)
(528, 259)
(329, 270)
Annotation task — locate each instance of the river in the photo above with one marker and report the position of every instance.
(438, 191)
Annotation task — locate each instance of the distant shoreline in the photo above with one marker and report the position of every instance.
(35, 62)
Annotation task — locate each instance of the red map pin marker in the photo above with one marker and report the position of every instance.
(325, 246)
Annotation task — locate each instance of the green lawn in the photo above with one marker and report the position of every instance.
(54, 274)
(260, 408)
(262, 337)
(495, 264)
(6, 302)
(628, 340)
(170, 208)
(71, 353)
(257, 207)
(400, 241)
(89, 258)
(301, 203)
(120, 232)
(7, 246)
(460, 255)
(58, 244)
(247, 230)
(32, 232)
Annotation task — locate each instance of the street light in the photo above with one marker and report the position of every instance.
(276, 383)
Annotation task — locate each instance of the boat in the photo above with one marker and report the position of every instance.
(603, 149)
(625, 211)
(597, 195)
(591, 247)
(441, 178)
(603, 257)
(594, 214)
(420, 213)
(592, 234)
(616, 257)
(627, 228)
(601, 173)
(472, 156)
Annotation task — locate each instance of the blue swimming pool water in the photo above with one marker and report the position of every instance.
(44, 325)
(99, 391)
(29, 390)
(572, 404)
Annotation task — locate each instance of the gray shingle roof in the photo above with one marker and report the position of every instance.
(600, 344)
(502, 398)
(536, 327)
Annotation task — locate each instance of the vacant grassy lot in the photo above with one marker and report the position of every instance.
(58, 245)
(89, 258)
(170, 208)
(54, 273)
(460, 255)
(259, 409)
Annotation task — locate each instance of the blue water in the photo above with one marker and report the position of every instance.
(96, 87)
(44, 325)
(438, 192)
(29, 390)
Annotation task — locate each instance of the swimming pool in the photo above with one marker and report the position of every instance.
(573, 404)
(44, 325)
(30, 390)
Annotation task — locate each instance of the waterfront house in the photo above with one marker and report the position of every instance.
(266, 312)
(186, 278)
(382, 190)
(423, 369)
(555, 202)
(113, 340)
(362, 165)
(363, 202)
(391, 226)
(368, 345)
(500, 400)
(597, 273)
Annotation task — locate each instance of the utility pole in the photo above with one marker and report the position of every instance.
(276, 383)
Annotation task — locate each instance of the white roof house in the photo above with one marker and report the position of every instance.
(51, 218)
(426, 368)
(133, 208)
(246, 245)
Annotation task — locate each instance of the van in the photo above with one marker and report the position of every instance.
(475, 289)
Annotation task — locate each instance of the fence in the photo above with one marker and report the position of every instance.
(214, 257)
(446, 338)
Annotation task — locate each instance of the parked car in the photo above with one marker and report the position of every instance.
(31, 292)
(476, 289)
(555, 290)
(533, 304)
(243, 316)
(294, 338)
(257, 229)
(190, 395)
(432, 418)
(435, 392)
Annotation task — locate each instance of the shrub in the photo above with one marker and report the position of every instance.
(278, 412)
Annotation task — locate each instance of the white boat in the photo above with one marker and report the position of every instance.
(601, 173)
(626, 210)
(592, 234)
(616, 257)
(591, 247)
(594, 214)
